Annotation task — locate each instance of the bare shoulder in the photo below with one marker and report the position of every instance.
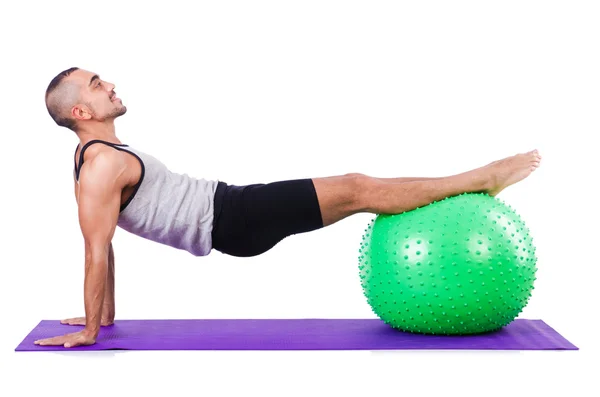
(104, 169)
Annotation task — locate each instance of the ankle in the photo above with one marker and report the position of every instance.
(488, 179)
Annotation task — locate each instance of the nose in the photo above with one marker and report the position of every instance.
(110, 86)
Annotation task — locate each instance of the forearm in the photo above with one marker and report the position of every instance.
(108, 308)
(96, 271)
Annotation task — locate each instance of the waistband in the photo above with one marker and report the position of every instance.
(218, 201)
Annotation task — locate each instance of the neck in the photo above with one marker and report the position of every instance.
(102, 131)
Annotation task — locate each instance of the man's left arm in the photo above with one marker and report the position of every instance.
(108, 310)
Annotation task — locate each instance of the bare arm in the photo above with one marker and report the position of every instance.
(101, 182)
(108, 309)
(100, 187)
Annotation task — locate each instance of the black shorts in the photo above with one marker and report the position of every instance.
(250, 220)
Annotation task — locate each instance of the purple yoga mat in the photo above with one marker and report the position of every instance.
(293, 334)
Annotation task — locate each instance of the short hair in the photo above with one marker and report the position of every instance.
(58, 97)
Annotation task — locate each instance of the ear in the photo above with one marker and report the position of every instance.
(81, 112)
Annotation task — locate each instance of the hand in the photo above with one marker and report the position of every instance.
(82, 338)
(104, 322)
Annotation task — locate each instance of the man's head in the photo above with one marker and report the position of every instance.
(76, 97)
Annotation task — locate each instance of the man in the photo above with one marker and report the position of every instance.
(118, 185)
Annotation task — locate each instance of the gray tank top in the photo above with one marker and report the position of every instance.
(166, 207)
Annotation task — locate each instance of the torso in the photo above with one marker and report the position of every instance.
(133, 173)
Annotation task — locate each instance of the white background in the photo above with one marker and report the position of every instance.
(258, 91)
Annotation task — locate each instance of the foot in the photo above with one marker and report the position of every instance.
(508, 171)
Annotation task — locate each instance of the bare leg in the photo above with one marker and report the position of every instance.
(405, 179)
(342, 196)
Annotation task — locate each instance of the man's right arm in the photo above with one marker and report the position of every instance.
(108, 308)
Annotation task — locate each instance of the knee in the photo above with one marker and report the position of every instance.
(359, 186)
(359, 182)
(354, 179)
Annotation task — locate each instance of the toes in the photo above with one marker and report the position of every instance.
(536, 156)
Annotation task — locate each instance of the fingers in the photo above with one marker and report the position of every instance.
(56, 341)
(69, 340)
(74, 321)
(81, 321)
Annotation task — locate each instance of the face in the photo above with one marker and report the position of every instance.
(98, 100)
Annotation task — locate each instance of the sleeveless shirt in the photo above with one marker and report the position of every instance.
(166, 207)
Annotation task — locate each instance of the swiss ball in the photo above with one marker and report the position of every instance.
(462, 265)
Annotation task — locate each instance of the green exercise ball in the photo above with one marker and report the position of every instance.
(462, 265)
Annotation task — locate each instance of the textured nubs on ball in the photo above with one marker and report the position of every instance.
(462, 265)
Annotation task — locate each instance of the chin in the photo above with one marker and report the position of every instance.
(118, 113)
